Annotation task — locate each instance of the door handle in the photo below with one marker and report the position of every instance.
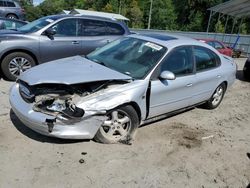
(189, 85)
(218, 76)
(75, 42)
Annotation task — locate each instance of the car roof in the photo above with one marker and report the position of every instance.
(170, 40)
(60, 16)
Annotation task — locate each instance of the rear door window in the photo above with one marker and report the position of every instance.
(205, 59)
(94, 28)
(114, 29)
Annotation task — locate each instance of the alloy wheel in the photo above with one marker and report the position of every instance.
(217, 97)
(18, 65)
(117, 125)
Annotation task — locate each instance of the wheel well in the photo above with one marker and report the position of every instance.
(11, 14)
(135, 106)
(225, 82)
(137, 109)
(21, 50)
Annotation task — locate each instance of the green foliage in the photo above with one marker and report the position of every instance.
(135, 14)
(219, 28)
(187, 15)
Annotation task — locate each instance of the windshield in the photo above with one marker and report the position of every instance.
(130, 56)
(36, 25)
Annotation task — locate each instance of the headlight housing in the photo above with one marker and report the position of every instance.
(26, 92)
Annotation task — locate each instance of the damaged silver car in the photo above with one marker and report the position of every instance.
(109, 93)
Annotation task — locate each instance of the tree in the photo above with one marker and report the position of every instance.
(108, 8)
(163, 15)
(134, 14)
(219, 28)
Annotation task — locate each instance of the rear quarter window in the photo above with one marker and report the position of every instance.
(205, 59)
(10, 4)
(114, 29)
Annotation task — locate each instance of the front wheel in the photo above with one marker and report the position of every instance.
(16, 63)
(119, 126)
(217, 97)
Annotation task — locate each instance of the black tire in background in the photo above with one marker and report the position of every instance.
(12, 16)
(7, 64)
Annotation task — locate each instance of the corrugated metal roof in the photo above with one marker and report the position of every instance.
(236, 8)
(100, 14)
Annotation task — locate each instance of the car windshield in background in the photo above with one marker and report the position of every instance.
(130, 56)
(36, 25)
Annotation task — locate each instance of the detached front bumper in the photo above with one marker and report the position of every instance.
(37, 121)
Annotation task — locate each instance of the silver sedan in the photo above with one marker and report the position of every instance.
(131, 81)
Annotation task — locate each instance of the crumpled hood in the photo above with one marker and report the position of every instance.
(71, 70)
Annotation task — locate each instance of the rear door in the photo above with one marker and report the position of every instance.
(93, 35)
(207, 74)
(2, 8)
(66, 42)
(96, 33)
(171, 95)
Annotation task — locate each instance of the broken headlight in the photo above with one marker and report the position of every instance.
(26, 92)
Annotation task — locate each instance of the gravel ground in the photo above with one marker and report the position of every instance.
(168, 153)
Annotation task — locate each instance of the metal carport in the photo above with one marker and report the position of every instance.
(235, 9)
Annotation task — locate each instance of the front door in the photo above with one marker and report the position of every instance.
(171, 95)
(66, 41)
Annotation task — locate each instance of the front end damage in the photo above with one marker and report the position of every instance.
(61, 110)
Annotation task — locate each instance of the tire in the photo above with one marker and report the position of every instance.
(12, 16)
(15, 63)
(217, 97)
(119, 127)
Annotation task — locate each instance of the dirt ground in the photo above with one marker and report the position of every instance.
(198, 148)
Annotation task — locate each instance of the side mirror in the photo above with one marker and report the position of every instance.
(50, 33)
(167, 75)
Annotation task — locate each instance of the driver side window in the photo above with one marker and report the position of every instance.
(180, 61)
(66, 28)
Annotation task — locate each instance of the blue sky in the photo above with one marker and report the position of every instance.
(37, 2)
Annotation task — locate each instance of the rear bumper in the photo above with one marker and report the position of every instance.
(85, 129)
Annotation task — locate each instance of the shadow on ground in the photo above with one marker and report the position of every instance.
(36, 136)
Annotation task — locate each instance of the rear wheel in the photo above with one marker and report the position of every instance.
(16, 63)
(11, 16)
(217, 97)
(119, 126)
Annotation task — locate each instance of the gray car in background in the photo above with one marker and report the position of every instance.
(55, 37)
(11, 9)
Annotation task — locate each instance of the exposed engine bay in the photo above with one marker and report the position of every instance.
(59, 100)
